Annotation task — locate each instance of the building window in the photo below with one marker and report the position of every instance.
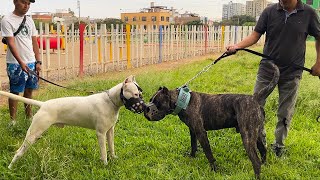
(126, 19)
(153, 18)
(310, 2)
(167, 19)
(162, 18)
(144, 18)
(134, 19)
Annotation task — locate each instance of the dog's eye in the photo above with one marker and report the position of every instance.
(156, 104)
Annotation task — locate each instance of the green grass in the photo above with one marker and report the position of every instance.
(158, 150)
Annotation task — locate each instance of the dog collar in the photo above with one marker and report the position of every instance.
(110, 98)
(183, 99)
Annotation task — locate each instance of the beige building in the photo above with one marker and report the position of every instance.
(44, 17)
(155, 15)
(254, 8)
(233, 9)
(250, 9)
(146, 18)
(158, 15)
(186, 17)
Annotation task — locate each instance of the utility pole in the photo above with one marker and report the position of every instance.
(78, 5)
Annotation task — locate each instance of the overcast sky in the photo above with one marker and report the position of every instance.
(112, 8)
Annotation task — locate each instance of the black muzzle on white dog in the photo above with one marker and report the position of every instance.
(135, 105)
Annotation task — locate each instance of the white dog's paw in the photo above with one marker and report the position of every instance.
(10, 166)
(114, 156)
(105, 161)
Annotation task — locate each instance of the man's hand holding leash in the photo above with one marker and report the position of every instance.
(315, 70)
(38, 67)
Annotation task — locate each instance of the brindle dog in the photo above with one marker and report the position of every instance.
(211, 112)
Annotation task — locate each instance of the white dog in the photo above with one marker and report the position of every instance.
(99, 111)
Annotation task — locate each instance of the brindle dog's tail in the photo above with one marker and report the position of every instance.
(268, 89)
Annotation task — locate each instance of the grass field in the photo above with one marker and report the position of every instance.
(159, 150)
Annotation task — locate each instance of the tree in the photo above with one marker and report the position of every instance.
(238, 21)
(196, 22)
(109, 21)
(71, 12)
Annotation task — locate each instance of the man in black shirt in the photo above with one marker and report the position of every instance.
(287, 25)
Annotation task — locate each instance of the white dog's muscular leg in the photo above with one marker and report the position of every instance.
(35, 130)
(103, 149)
(110, 138)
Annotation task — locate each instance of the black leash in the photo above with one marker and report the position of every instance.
(35, 74)
(270, 58)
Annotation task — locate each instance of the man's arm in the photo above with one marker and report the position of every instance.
(316, 67)
(246, 42)
(13, 48)
(35, 47)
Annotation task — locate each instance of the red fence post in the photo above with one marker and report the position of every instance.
(81, 29)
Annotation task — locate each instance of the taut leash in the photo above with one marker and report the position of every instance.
(270, 58)
(35, 74)
(206, 68)
(225, 54)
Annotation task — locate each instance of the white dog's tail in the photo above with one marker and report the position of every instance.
(22, 99)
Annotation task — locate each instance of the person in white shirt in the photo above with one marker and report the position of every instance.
(22, 55)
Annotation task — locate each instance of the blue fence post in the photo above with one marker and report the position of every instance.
(160, 43)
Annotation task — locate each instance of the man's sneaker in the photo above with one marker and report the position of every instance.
(278, 150)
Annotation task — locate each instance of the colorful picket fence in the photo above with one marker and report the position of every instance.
(92, 50)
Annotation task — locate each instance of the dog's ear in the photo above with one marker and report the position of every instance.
(160, 88)
(129, 79)
(133, 78)
(165, 90)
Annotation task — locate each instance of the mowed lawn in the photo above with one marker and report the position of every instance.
(159, 150)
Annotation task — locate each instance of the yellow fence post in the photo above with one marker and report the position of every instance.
(111, 57)
(222, 36)
(63, 41)
(5, 49)
(99, 50)
(128, 30)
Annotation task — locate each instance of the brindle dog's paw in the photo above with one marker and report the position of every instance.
(192, 154)
(263, 160)
(214, 167)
